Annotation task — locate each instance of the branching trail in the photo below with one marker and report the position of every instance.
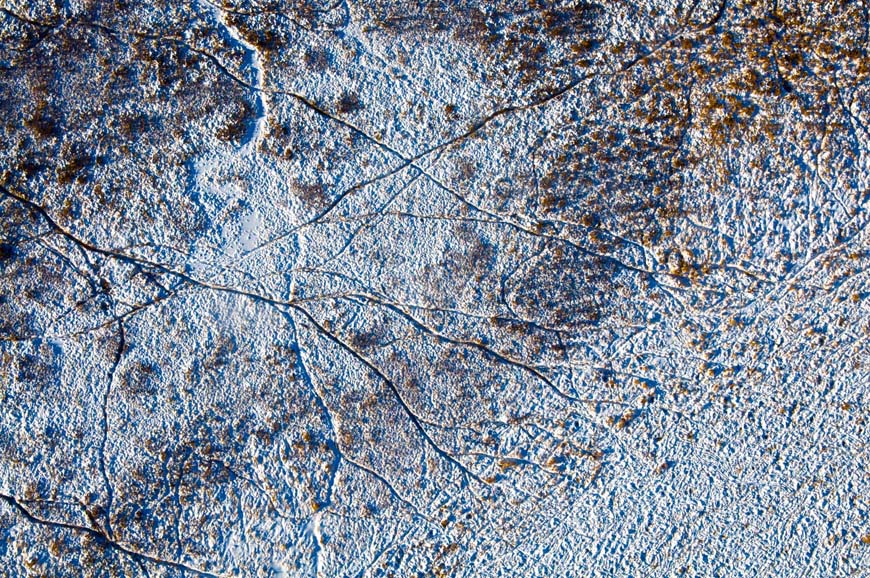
(107, 392)
(408, 294)
(254, 61)
(103, 540)
(415, 419)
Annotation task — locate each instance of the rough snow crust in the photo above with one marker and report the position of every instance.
(457, 288)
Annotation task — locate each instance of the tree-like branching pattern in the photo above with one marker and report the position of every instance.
(389, 288)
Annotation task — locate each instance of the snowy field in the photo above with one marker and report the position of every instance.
(384, 288)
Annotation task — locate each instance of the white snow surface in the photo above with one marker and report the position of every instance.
(378, 288)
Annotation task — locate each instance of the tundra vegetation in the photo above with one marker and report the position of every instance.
(438, 288)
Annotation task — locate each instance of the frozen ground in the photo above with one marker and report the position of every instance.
(391, 288)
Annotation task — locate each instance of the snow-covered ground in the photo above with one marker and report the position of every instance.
(461, 288)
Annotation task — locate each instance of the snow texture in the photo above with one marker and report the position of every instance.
(358, 288)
